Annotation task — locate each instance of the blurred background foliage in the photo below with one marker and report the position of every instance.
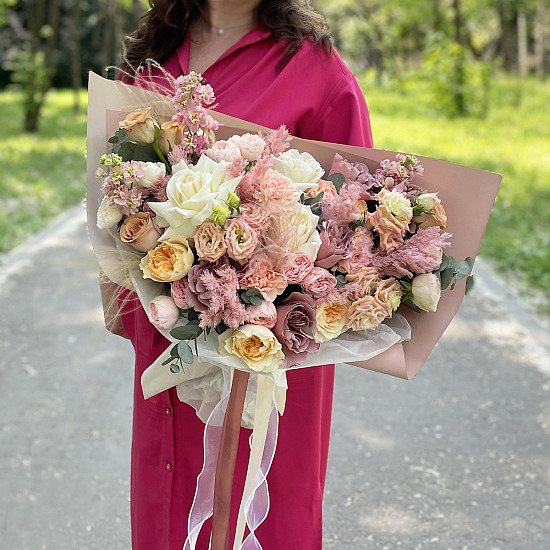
(460, 80)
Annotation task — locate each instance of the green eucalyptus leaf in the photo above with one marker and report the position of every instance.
(446, 277)
(169, 360)
(174, 352)
(187, 332)
(145, 153)
(174, 369)
(185, 352)
(469, 284)
(256, 300)
(337, 179)
(125, 149)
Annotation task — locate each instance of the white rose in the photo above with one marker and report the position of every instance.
(108, 215)
(193, 192)
(151, 171)
(250, 145)
(427, 200)
(426, 290)
(301, 168)
(179, 166)
(296, 231)
(256, 345)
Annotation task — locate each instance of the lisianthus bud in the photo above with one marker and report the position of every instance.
(233, 200)
(220, 213)
(426, 291)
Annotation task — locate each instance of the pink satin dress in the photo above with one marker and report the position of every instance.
(317, 97)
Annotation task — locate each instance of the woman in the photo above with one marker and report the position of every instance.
(270, 62)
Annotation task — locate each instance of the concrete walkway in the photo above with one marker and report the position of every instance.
(458, 458)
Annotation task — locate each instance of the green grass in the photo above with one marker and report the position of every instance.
(513, 140)
(40, 174)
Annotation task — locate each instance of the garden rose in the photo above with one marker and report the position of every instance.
(426, 291)
(255, 215)
(209, 241)
(301, 168)
(224, 151)
(193, 192)
(389, 292)
(265, 314)
(241, 239)
(366, 313)
(367, 277)
(335, 240)
(163, 312)
(331, 320)
(152, 171)
(251, 146)
(140, 231)
(171, 133)
(437, 215)
(295, 266)
(319, 282)
(391, 218)
(169, 261)
(178, 290)
(108, 215)
(325, 187)
(295, 327)
(139, 125)
(256, 345)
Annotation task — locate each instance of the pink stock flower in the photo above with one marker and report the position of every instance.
(178, 290)
(276, 191)
(319, 282)
(295, 266)
(265, 314)
(241, 239)
(295, 326)
(163, 312)
(209, 241)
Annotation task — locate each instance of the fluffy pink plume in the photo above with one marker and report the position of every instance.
(250, 182)
(158, 188)
(343, 207)
(419, 254)
(225, 305)
(278, 140)
(177, 154)
(237, 167)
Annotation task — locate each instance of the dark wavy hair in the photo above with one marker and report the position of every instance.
(163, 28)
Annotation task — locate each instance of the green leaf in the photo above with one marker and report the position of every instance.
(185, 352)
(174, 352)
(256, 300)
(406, 285)
(125, 149)
(187, 332)
(338, 180)
(174, 368)
(145, 153)
(340, 280)
(446, 277)
(469, 284)
(169, 360)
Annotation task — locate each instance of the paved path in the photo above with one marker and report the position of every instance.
(458, 458)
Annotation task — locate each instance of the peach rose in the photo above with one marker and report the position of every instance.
(367, 277)
(331, 320)
(324, 186)
(169, 261)
(209, 241)
(141, 231)
(139, 125)
(170, 135)
(366, 313)
(389, 292)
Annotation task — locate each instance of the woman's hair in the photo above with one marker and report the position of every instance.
(163, 28)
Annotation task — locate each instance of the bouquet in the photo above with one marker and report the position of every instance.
(251, 239)
(255, 253)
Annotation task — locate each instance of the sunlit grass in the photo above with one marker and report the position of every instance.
(40, 174)
(512, 140)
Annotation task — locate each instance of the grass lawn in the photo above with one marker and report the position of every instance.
(43, 174)
(512, 140)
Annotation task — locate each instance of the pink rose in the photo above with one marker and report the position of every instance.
(163, 312)
(241, 239)
(209, 241)
(250, 145)
(197, 295)
(264, 314)
(319, 282)
(335, 241)
(276, 191)
(296, 323)
(178, 291)
(140, 231)
(255, 215)
(295, 266)
(360, 251)
(224, 150)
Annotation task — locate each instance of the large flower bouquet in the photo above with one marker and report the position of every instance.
(252, 239)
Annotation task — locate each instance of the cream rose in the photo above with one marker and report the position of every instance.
(436, 216)
(170, 135)
(151, 172)
(255, 345)
(295, 230)
(331, 320)
(169, 261)
(139, 125)
(193, 192)
(140, 231)
(108, 215)
(301, 168)
(426, 291)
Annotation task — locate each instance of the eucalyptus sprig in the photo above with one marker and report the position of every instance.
(450, 272)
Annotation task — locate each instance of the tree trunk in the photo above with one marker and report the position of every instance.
(541, 23)
(522, 44)
(76, 62)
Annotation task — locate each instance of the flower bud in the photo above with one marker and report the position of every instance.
(220, 214)
(426, 291)
(233, 200)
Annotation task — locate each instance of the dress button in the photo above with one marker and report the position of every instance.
(169, 467)
(168, 412)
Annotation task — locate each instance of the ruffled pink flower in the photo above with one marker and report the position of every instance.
(224, 150)
(276, 191)
(178, 290)
(319, 282)
(255, 215)
(366, 279)
(266, 280)
(335, 242)
(360, 251)
(265, 314)
(209, 241)
(241, 239)
(295, 266)
(296, 323)
(325, 187)
(366, 313)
